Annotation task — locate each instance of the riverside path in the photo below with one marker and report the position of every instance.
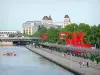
(66, 63)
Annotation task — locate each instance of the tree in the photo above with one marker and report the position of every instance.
(39, 27)
(52, 35)
(40, 31)
(19, 34)
(70, 28)
(86, 29)
(94, 34)
(11, 35)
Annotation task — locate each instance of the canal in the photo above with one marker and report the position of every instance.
(27, 63)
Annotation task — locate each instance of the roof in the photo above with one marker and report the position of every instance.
(8, 30)
(50, 25)
(49, 18)
(66, 16)
(45, 18)
(27, 23)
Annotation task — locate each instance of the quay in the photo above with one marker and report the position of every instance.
(68, 64)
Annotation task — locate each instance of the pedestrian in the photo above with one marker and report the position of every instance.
(97, 61)
(87, 64)
(62, 54)
(83, 63)
(88, 61)
(80, 63)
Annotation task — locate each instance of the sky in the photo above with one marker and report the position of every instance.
(13, 13)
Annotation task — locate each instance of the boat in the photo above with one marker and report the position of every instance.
(9, 54)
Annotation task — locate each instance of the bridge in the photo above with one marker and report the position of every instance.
(20, 40)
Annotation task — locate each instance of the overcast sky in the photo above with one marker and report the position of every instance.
(15, 12)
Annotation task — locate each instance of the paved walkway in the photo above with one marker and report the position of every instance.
(65, 61)
(73, 58)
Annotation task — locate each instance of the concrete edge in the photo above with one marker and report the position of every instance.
(67, 68)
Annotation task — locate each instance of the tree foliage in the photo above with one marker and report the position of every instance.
(40, 31)
(91, 33)
(52, 35)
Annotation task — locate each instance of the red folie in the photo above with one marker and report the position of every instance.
(42, 36)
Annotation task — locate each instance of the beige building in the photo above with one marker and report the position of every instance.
(30, 27)
(66, 21)
(47, 20)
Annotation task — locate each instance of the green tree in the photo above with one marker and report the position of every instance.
(19, 34)
(94, 34)
(86, 29)
(11, 35)
(40, 31)
(70, 28)
(52, 35)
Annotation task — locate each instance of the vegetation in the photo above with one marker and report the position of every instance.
(91, 33)
(41, 30)
(91, 36)
(18, 34)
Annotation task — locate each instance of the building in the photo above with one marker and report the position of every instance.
(58, 23)
(30, 27)
(66, 21)
(51, 25)
(47, 20)
(6, 33)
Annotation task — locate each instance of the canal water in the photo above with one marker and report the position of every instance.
(27, 63)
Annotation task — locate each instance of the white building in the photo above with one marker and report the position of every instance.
(6, 33)
(58, 23)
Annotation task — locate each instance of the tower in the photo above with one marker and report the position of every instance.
(66, 20)
(45, 20)
(49, 20)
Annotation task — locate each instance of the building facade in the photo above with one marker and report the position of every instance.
(6, 33)
(47, 20)
(30, 27)
(66, 21)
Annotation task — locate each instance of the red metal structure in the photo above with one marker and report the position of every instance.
(76, 40)
(42, 37)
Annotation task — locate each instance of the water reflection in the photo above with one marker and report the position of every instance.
(27, 63)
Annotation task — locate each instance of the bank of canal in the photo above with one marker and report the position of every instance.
(65, 63)
(27, 63)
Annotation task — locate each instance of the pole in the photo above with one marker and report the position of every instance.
(71, 54)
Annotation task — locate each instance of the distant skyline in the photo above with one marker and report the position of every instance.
(13, 13)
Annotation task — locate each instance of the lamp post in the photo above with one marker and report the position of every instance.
(98, 44)
(70, 54)
(70, 50)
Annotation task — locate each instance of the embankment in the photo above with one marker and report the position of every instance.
(6, 43)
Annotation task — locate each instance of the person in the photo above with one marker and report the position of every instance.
(62, 54)
(83, 63)
(88, 62)
(97, 61)
(80, 63)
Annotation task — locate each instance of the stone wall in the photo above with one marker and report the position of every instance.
(6, 43)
